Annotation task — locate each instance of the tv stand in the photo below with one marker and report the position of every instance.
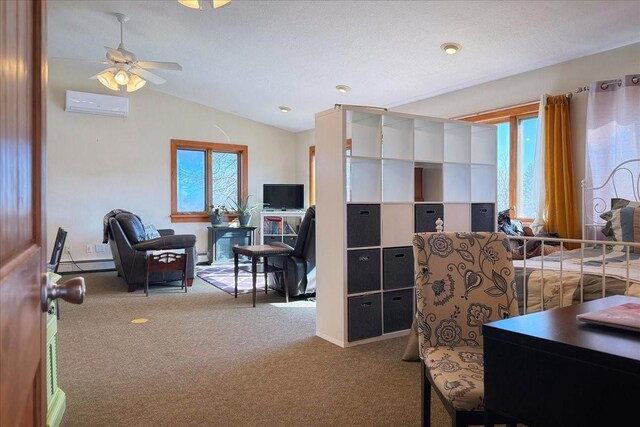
(280, 226)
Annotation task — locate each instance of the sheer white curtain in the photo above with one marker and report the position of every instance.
(538, 176)
(613, 136)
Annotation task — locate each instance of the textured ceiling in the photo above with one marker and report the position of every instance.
(252, 56)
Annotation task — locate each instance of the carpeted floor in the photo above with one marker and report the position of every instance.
(205, 359)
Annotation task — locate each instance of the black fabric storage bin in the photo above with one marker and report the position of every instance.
(363, 225)
(397, 266)
(483, 217)
(363, 270)
(398, 310)
(426, 216)
(365, 317)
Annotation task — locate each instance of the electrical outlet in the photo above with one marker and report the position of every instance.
(89, 248)
(67, 249)
(101, 247)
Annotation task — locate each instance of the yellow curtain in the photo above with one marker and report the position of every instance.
(561, 213)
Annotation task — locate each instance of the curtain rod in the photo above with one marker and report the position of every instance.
(603, 85)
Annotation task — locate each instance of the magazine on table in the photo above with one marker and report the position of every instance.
(624, 316)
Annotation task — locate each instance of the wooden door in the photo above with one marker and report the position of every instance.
(22, 220)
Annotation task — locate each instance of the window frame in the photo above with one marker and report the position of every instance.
(511, 115)
(208, 148)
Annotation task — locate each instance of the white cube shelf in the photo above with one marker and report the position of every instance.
(397, 228)
(397, 138)
(363, 180)
(393, 162)
(457, 182)
(365, 132)
(457, 142)
(395, 176)
(457, 217)
(483, 145)
(429, 141)
(483, 187)
(431, 181)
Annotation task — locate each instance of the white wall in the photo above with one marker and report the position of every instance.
(98, 163)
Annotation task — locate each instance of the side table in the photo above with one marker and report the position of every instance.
(158, 261)
(255, 252)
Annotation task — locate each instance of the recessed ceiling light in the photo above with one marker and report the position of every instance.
(343, 88)
(284, 108)
(451, 48)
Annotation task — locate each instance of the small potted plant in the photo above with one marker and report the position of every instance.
(216, 213)
(244, 209)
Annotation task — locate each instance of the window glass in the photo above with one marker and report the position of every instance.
(225, 178)
(527, 143)
(205, 174)
(504, 165)
(190, 180)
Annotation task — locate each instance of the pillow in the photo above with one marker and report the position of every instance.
(617, 203)
(624, 226)
(151, 232)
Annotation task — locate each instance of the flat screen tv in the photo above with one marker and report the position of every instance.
(283, 196)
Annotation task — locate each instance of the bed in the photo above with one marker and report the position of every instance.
(609, 265)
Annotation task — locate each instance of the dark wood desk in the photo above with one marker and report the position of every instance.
(549, 369)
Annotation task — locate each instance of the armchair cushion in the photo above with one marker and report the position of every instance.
(132, 227)
(180, 241)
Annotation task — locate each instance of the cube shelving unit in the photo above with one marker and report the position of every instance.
(381, 177)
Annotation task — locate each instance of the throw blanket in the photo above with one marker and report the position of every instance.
(105, 223)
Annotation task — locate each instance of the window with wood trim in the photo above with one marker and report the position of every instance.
(517, 142)
(205, 174)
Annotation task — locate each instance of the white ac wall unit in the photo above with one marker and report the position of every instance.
(93, 103)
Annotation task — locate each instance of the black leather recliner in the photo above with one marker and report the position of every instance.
(128, 243)
(301, 264)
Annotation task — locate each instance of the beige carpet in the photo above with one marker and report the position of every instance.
(207, 359)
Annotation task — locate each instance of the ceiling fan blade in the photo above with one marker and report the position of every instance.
(112, 69)
(160, 65)
(147, 75)
(115, 54)
(88, 61)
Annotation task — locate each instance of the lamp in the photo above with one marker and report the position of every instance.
(107, 79)
(195, 4)
(121, 77)
(135, 83)
(120, 80)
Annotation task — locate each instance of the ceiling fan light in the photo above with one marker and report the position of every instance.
(135, 83)
(121, 77)
(193, 4)
(220, 3)
(107, 79)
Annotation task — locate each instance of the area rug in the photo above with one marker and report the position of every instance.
(221, 276)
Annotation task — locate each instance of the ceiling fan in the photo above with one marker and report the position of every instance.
(126, 71)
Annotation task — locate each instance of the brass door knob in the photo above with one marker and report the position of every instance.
(71, 291)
